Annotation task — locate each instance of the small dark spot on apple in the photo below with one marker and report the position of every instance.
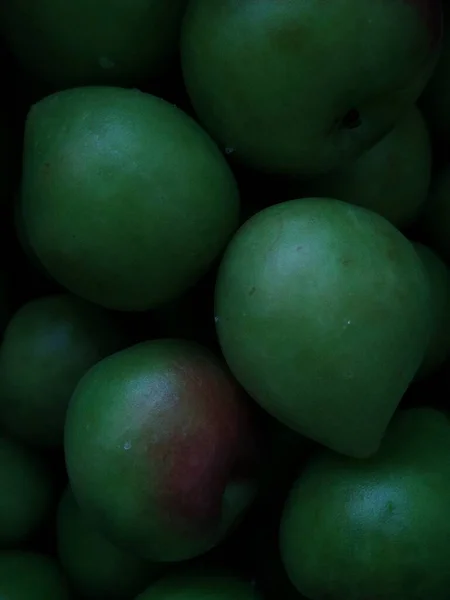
(351, 120)
(391, 254)
(299, 248)
(252, 291)
(346, 262)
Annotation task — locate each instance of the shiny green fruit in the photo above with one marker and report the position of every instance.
(94, 566)
(377, 528)
(323, 315)
(439, 281)
(27, 493)
(67, 43)
(125, 200)
(30, 576)
(200, 587)
(303, 87)
(161, 450)
(48, 346)
(391, 178)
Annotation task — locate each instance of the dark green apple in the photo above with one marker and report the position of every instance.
(125, 200)
(48, 346)
(66, 44)
(391, 178)
(161, 449)
(96, 568)
(323, 315)
(30, 576)
(303, 87)
(377, 528)
(439, 281)
(27, 493)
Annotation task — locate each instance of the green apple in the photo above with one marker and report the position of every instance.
(31, 576)
(436, 218)
(27, 493)
(323, 315)
(305, 86)
(94, 566)
(439, 281)
(391, 178)
(78, 43)
(377, 528)
(48, 345)
(125, 200)
(161, 449)
(200, 587)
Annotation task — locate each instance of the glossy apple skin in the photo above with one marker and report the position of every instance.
(303, 87)
(160, 449)
(323, 315)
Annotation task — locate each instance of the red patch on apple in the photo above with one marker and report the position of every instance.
(431, 12)
(216, 445)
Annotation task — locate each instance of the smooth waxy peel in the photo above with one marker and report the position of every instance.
(95, 567)
(47, 347)
(125, 200)
(303, 87)
(174, 449)
(376, 528)
(391, 178)
(323, 314)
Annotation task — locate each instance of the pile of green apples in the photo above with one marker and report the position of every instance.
(225, 300)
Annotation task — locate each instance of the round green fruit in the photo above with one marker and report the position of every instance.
(160, 449)
(200, 587)
(27, 493)
(391, 178)
(323, 315)
(304, 87)
(125, 200)
(30, 576)
(48, 345)
(94, 566)
(67, 44)
(377, 528)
